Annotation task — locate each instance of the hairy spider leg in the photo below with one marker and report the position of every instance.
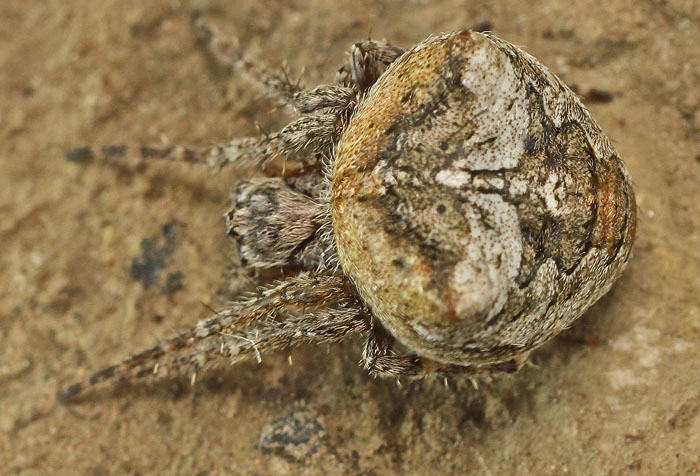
(303, 308)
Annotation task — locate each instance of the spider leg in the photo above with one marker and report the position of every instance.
(250, 342)
(123, 368)
(381, 359)
(228, 54)
(196, 155)
(274, 85)
(303, 308)
(327, 108)
(330, 97)
(305, 139)
(368, 61)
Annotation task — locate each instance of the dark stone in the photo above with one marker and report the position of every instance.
(296, 435)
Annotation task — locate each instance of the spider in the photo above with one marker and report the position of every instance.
(455, 203)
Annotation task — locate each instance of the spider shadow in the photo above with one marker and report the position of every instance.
(454, 412)
(471, 408)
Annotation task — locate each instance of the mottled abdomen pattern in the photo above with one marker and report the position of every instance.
(476, 206)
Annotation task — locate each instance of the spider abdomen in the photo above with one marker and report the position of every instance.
(476, 206)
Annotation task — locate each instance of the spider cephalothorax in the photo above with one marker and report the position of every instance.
(454, 202)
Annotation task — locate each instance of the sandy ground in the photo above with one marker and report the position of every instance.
(618, 394)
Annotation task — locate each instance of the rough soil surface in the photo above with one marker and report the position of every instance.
(98, 261)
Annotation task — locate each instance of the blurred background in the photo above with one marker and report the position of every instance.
(98, 261)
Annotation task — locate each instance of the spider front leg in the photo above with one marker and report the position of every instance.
(368, 61)
(304, 308)
(261, 337)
